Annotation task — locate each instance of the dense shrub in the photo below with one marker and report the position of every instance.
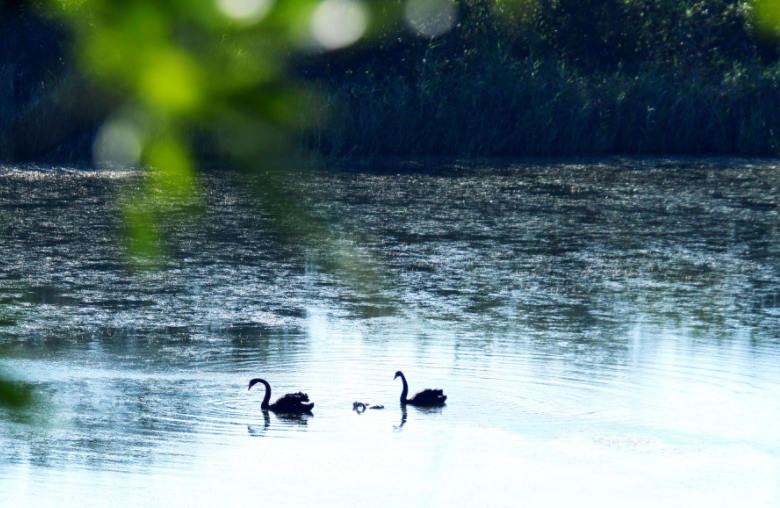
(558, 77)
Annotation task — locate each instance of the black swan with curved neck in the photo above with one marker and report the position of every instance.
(426, 398)
(292, 403)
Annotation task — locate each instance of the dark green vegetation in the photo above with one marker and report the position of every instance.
(47, 108)
(562, 77)
(14, 394)
(521, 78)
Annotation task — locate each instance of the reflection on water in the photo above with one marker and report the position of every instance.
(604, 332)
(283, 419)
(404, 416)
(421, 412)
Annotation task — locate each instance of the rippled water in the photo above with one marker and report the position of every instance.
(606, 333)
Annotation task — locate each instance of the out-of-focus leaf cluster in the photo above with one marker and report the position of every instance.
(175, 67)
(14, 394)
(766, 14)
(198, 80)
(211, 79)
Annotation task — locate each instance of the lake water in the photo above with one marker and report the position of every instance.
(607, 334)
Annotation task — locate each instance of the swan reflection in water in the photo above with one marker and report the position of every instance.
(424, 410)
(398, 427)
(255, 431)
(298, 420)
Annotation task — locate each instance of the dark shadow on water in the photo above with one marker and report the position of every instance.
(300, 420)
(285, 419)
(257, 431)
(423, 410)
(404, 415)
(430, 410)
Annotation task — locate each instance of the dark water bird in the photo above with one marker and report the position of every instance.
(425, 398)
(361, 407)
(292, 403)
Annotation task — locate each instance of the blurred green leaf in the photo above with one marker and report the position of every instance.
(767, 16)
(15, 394)
(211, 68)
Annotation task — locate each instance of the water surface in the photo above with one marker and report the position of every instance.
(606, 333)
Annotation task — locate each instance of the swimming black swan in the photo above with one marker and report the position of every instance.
(292, 403)
(425, 398)
(361, 407)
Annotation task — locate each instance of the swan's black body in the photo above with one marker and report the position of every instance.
(425, 398)
(292, 403)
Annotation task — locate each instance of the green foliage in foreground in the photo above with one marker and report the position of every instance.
(203, 79)
(14, 394)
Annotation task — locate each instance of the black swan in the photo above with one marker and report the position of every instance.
(361, 407)
(292, 403)
(425, 398)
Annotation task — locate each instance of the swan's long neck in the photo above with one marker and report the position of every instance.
(405, 390)
(267, 397)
